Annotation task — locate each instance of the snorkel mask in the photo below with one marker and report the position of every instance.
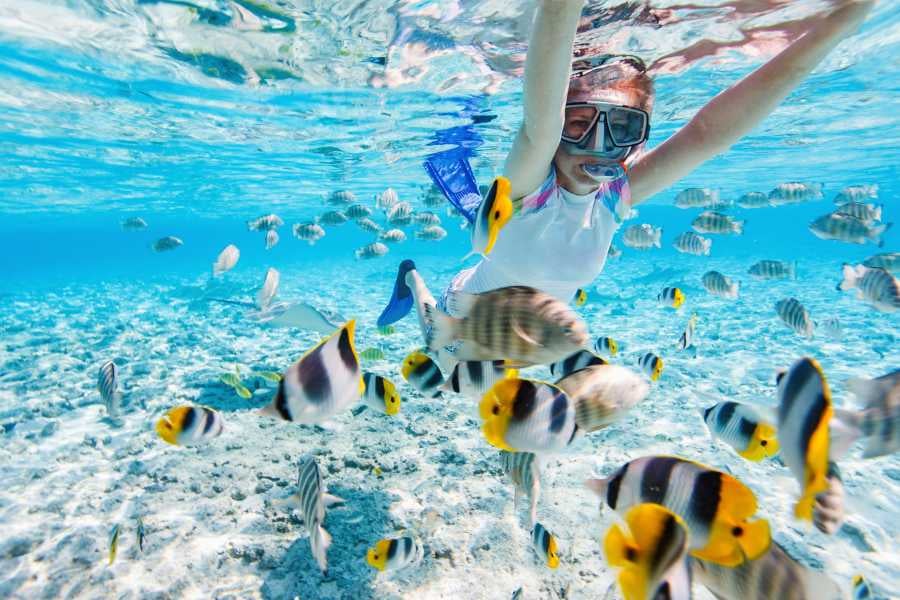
(605, 131)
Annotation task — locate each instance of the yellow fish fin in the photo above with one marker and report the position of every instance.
(618, 547)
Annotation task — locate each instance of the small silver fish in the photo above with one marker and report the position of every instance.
(386, 200)
(167, 243)
(856, 193)
(753, 200)
(878, 423)
(426, 217)
(367, 224)
(400, 214)
(711, 221)
(720, 285)
(269, 289)
(373, 250)
(876, 286)
(332, 217)
(773, 269)
(832, 328)
(696, 198)
(889, 261)
(642, 236)
(357, 211)
(686, 340)
(141, 534)
(108, 386)
(134, 223)
(271, 239)
(432, 232)
(794, 192)
(341, 197)
(843, 228)
(691, 243)
(392, 236)
(311, 500)
(265, 223)
(867, 213)
(311, 232)
(113, 543)
(525, 472)
(226, 260)
(795, 316)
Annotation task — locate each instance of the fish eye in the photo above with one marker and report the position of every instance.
(764, 443)
(375, 557)
(496, 214)
(737, 531)
(630, 554)
(496, 410)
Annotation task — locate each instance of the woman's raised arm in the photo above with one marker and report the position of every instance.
(734, 112)
(546, 82)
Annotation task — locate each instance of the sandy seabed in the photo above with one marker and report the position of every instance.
(69, 474)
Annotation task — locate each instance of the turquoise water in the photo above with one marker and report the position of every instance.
(198, 117)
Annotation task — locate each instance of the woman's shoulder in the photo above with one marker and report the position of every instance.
(540, 198)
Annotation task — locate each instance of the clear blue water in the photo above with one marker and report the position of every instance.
(200, 116)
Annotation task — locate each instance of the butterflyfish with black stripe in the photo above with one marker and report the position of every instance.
(741, 427)
(494, 212)
(423, 374)
(651, 365)
(391, 554)
(475, 377)
(575, 361)
(517, 323)
(650, 554)
(804, 414)
(380, 394)
(773, 575)
(716, 507)
(670, 297)
(325, 381)
(525, 472)
(524, 415)
(190, 425)
(545, 546)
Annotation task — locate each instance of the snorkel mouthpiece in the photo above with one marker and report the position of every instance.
(601, 172)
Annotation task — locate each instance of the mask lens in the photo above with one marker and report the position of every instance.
(626, 127)
(579, 120)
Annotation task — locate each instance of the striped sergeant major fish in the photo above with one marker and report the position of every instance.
(793, 192)
(753, 200)
(325, 381)
(545, 546)
(423, 374)
(767, 270)
(720, 285)
(856, 193)
(795, 316)
(889, 261)
(108, 386)
(844, 228)
(475, 377)
(696, 198)
(525, 472)
(691, 243)
(715, 506)
(867, 213)
(190, 425)
(311, 500)
(804, 414)
(650, 553)
(741, 427)
(516, 323)
(642, 237)
(711, 221)
(874, 285)
(773, 575)
(877, 424)
(373, 250)
(391, 554)
(574, 362)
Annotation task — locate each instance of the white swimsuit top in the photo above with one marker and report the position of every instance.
(557, 242)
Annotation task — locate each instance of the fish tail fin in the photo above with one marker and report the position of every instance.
(878, 211)
(707, 247)
(850, 277)
(401, 301)
(320, 541)
(442, 328)
(735, 289)
(843, 431)
(657, 238)
(876, 232)
(792, 271)
(739, 227)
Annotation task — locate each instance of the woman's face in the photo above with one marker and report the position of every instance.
(570, 167)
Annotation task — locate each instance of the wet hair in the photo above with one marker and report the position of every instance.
(614, 72)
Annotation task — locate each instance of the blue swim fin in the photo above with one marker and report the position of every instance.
(452, 173)
(401, 301)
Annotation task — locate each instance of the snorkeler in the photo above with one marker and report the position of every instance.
(578, 164)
